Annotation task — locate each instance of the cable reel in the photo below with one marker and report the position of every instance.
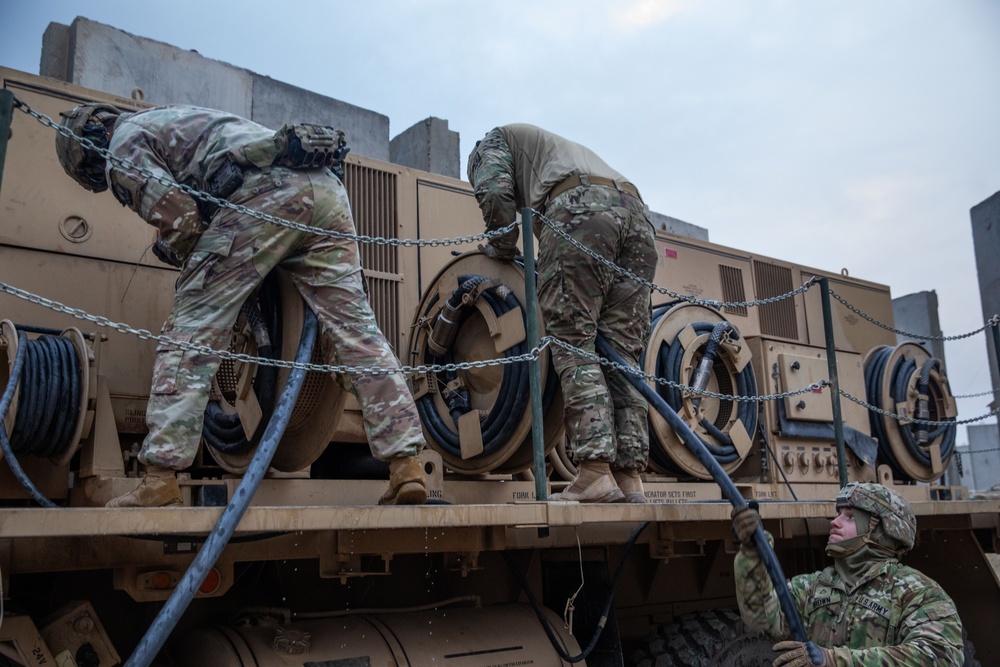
(479, 419)
(697, 346)
(53, 406)
(906, 380)
(244, 394)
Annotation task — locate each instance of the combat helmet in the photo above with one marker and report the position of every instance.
(83, 164)
(893, 525)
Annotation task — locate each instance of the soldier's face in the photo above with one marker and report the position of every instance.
(843, 526)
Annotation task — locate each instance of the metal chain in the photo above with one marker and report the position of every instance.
(676, 385)
(912, 420)
(993, 321)
(148, 174)
(144, 334)
(711, 303)
(978, 451)
(982, 393)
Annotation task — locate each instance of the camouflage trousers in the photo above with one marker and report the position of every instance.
(229, 261)
(605, 417)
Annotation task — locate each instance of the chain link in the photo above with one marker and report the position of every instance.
(361, 238)
(144, 334)
(912, 420)
(533, 354)
(682, 387)
(982, 393)
(711, 303)
(993, 321)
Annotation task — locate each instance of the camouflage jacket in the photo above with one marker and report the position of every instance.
(894, 615)
(180, 144)
(517, 165)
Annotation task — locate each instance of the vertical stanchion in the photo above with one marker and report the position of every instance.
(6, 116)
(534, 365)
(995, 329)
(831, 361)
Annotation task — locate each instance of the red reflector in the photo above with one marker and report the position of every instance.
(161, 580)
(212, 582)
(670, 253)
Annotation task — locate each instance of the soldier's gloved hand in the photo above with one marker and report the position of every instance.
(503, 254)
(796, 654)
(166, 254)
(745, 522)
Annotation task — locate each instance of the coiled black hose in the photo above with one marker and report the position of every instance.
(49, 401)
(899, 379)
(224, 431)
(669, 359)
(513, 395)
(8, 451)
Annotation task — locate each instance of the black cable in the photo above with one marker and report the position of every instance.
(49, 399)
(224, 431)
(546, 626)
(8, 451)
(899, 378)
(513, 394)
(669, 359)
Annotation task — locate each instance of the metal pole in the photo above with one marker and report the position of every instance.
(534, 365)
(831, 362)
(6, 115)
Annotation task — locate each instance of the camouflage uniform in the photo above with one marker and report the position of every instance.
(226, 259)
(892, 615)
(519, 165)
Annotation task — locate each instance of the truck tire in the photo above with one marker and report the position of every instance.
(714, 638)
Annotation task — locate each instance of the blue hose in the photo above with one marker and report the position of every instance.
(729, 491)
(179, 600)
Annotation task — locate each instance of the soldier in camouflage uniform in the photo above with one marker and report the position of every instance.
(520, 165)
(223, 256)
(867, 608)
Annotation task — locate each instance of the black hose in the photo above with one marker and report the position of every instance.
(550, 633)
(729, 492)
(174, 607)
(8, 451)
(513, 395)
(899, 379)
(669, 359)
(224, 431)
(49, 400)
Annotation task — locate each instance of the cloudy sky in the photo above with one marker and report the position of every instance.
(837, 134)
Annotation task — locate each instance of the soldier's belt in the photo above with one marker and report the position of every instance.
(576, 181)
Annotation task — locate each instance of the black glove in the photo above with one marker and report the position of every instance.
(796, 654)
(745, 522)
(166, 254)
(503, 254)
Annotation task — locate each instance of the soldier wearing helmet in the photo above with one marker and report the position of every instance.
(224, 254)
(865, 609)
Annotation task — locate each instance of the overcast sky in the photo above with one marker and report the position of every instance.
(837, 134)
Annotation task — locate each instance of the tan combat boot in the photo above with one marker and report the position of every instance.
(157, 489)
(630, 483)
(406, 482)
(593, 484)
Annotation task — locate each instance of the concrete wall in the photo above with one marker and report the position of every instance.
(99, 56)
(918, 313)
(986, 239)
(675, 226)
(105, 58)
(981, 460)
(429, 145)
